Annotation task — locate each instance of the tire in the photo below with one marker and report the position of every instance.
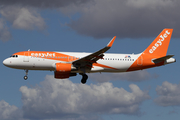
(84, 78)
(25, 77)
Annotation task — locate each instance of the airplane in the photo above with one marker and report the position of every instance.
(68, 64)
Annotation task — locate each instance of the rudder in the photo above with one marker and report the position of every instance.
(160, 45)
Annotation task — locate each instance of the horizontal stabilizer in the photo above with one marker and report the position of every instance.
(162, 58)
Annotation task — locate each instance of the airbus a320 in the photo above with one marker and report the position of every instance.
(68, 64)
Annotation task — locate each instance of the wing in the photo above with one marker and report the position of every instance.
(87, 61)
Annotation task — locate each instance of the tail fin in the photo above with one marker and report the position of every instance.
(160, 45)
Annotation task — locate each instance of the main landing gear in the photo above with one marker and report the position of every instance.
(26, 77)
(84, 78)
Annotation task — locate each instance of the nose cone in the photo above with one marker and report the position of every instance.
(6, 62)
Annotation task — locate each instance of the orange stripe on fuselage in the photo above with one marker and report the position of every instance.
(48, 55)
(144, 61)
(56, 56)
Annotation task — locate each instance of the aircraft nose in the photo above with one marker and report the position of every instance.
(5, 62)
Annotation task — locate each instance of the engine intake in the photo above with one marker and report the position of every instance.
(63, 70)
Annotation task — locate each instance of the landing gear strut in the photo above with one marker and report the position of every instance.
(26, 77)
(84, 78)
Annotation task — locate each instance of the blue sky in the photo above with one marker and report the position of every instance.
(87, 26)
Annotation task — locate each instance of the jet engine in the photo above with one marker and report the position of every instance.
(63, 70)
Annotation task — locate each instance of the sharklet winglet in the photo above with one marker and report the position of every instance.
(111, 42)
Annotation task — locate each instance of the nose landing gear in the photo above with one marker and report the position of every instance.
(26, 77)
(84, 78)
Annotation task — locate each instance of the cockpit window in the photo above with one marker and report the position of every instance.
(14, 56)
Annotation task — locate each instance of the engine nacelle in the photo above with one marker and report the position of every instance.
(63, 67)
(63, 70)
(61, 75)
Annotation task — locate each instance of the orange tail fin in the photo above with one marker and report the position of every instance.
(160, 45)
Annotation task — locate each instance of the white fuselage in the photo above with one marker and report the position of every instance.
(68, 64)
(109, 63)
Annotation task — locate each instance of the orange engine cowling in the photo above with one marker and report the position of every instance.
(63, 70)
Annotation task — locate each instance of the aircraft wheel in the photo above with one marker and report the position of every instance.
(83, 81)
(25, 77)
(84, 78)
